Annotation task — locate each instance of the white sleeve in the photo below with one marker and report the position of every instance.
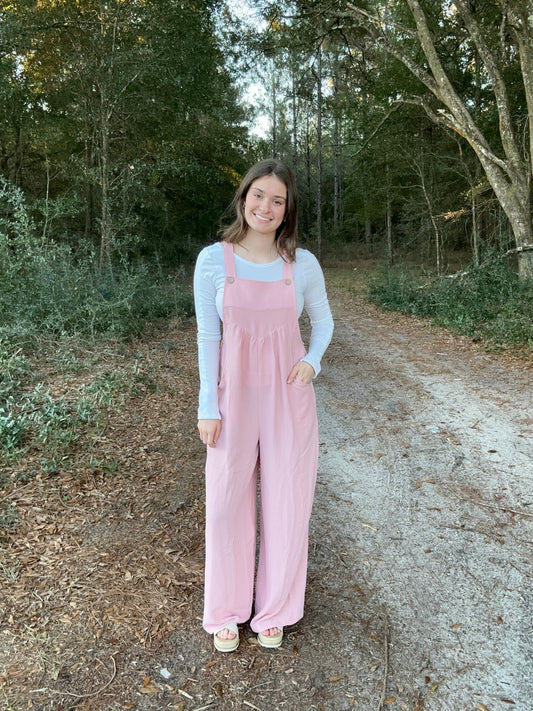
(317, 306)
(208, 322)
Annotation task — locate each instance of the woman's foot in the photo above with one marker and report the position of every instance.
(227, 638)
(271, 638)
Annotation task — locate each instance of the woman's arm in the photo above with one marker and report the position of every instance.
(317, 306)
(208, 322)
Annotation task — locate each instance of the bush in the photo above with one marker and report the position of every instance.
(45, 287)
(49, 293)
(484, 302)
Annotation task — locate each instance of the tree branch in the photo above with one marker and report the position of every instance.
(498, 85)
(380, 124)
(518, 250)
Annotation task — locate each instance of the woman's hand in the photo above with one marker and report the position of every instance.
(303, 371)
(209, 431)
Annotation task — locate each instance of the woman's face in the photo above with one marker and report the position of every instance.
(265, 205)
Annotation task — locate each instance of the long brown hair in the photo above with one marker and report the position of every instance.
(287, 232)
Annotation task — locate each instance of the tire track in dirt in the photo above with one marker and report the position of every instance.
(425, 494)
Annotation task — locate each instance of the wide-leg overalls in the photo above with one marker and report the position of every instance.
(266, 424)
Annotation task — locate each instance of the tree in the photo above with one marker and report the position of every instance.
(502, 36)
(126, 106)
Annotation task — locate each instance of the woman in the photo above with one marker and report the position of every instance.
(257, 408)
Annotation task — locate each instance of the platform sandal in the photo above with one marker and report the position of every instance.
(227, 645)
(271, 641)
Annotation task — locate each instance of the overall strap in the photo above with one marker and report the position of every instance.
(229, 260)
(287, 269)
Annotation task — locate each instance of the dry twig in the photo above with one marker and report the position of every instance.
(385, 672)
(94, 693)
(497, 508)
(247, 703)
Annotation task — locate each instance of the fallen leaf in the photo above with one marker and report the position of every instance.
(507, 701)
(434, 686)
(336, 678)
(390, 700)
(149, 689)
(424, 481)
(499, 620)
(456, 625)
(482, 707)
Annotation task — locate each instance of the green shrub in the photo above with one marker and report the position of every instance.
(45, 287)
(487, 302)
(52, 424)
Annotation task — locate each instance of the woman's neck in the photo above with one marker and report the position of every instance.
(260, 249)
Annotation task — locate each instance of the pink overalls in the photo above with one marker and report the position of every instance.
(269, 424)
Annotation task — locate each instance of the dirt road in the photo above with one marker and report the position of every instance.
(423, 524)
(420, 569)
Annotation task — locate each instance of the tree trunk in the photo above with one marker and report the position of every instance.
(308, 176)
(105, 227)
(389, 220)
(336, 167)
(368, 235)
(274, 117)
(389, 232)
(294, 123)
(475, 226)
(510, 176)
(319, 157)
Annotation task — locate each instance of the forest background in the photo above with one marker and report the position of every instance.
(125, 127)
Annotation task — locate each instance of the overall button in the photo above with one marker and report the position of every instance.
(230, 280)
(288, 282)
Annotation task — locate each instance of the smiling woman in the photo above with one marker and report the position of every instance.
(265, 204)
(257, 408)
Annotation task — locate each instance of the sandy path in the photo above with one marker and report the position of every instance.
(426, 467)
(419, 593)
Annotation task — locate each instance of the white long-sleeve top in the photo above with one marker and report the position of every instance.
(209, 279)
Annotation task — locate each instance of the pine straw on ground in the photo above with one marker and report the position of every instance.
(103, 562)
(102, 575)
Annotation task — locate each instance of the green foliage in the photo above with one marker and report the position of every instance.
(48, 291)
(113, 119)
(487, 302)
(35, 419)
(45, 287)
(8, 518)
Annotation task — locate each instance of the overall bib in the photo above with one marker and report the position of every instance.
(270, 426)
